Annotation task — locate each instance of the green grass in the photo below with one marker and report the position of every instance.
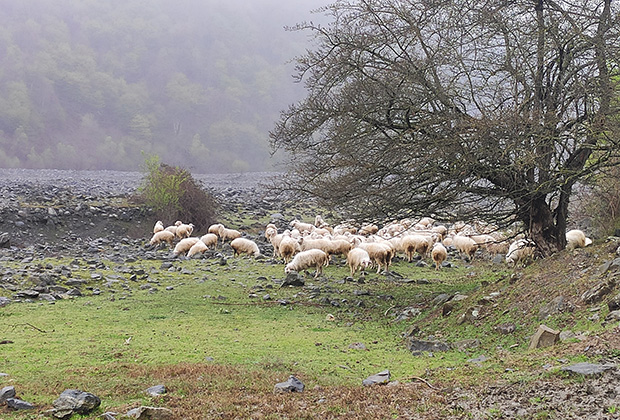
(116, 344)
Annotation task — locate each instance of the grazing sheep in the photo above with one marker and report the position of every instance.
(162, 236)
(159, 226)
(302, 227)
(288, 248)
(358, 258)
(576, 239)
(228, 234)
(465, 245)
(174, 227)
(368, 229)
(426, 222)
(322, 244)
(275, 242)
(306, 259)
(184, 231)
(519, 250)
(209, 239)
(339, 247)
(215, 228)
(415, 243)
(244, 246)
(198, 248)
(439, 254)
(184, 245)
(380, 254)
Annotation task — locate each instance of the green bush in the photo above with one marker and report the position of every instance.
(173, 194)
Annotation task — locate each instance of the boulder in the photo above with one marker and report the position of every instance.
(75, 401)
(598, 292)
(156, 390)
(544, 337)
(291, 385)
(17, 404)
(418, 346)
(6, 393)
(380, 378)
(588, 369)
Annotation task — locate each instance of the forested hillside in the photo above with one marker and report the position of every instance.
(90, 84)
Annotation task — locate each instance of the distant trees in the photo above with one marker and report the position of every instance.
(474, 109)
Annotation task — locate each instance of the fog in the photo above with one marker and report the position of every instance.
(86, 84)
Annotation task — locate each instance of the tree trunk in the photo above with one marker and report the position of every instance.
(538, 217)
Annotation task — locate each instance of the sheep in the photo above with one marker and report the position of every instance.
(198, 248)
(358, 258)
(184, 231)
(159, 226)
(339, 247)
(184, 245)
(302, 227)
(270, 230)
(576, 239)
(215, 228)
(162, 236)
(368, 229)
(439, 254)
(275, 243)
(288, 248)
(415, 243)
(519, 250)
(322, 244)
(174, 227)
(227, 234)
(465, 245)
(306, 259)
(380, 254)
(244, 246)
(426, 222)
(209, 239)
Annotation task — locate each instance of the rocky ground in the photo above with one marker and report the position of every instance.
(86, 215)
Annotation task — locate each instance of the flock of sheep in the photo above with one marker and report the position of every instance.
(305, 245)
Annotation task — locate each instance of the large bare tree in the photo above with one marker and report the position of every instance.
(458, 108)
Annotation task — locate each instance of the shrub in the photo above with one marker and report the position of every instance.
(173, 194)
(601, 202)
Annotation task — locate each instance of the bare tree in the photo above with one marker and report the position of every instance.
(487, 109)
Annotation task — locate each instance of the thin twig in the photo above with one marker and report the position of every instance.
(417, 378)
(31, 326)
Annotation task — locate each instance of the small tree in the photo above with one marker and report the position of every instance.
(473, 109)
(174, 194)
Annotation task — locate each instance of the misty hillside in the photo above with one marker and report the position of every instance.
(90, 84)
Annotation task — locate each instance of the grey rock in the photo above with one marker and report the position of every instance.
(613, 304)
(4, 301)
(6, 393)
(613, 316)
(380, 378)
(291, 385)
(598, 292)
(588, 369)
(150, 413)
(5, 240)
(506, 328)
(357, 346)
(463, 345)
(293, 279)
(156, 390)
(17, 404)
(76, 401)
(544, 337)
(418, 346)
(558, 305)
(479, 359)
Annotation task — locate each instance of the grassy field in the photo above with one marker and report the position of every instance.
(221, 336)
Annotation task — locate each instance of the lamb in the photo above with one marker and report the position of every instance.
(184, 245)
(228, 234)
(184, 231)
(159, 226)
(380, 254)
(209, 239)
(439, 254)
(576, 239)
(288, 248)
(198, 248)
(162, 236)
(306, 259)
(244, 246)
(519, 250)
(465, 245)
(358, 258)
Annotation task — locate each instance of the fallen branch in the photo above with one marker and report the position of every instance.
(417, 378)
(29, 325)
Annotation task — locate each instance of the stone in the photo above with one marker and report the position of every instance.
(357, 346)
(558, 305)
(17, 404)
(468, 344)
(588, 369)
(293, 279)
(4, 301)
(418, 346)
(5, 240)
(598, 292)
(6, 393)
(506, 328)
(380, 378)
(613, 304)
(156, 390)
(76, 401)
(613, 316)
(291, 385)
(150, 413)
(544, 337)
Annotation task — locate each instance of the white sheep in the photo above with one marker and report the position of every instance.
(368, 229)
(576, 239)
(162, 236)
(306, 259)
(439, 254)
(174, 227)
(227, 234)
(380, 254)
(302, 227)
(184, 245)
(159, 226)
(465, 245)
(184, 230)
(339, 247)
(358, 258)
(415, 243)
(244, 246)
(198, 248)
(308, 243)
(519, 250)
(215, 228)
(288, 248)
(209, 239)
(275, 242)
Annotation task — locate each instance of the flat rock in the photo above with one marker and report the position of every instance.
(6, 393)
(588, 369)
(17, 404)
(380, 378)
(544, 337)
(416, 346)
(291, 385)
(77, 401)
(156, 390)
(150, 413)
